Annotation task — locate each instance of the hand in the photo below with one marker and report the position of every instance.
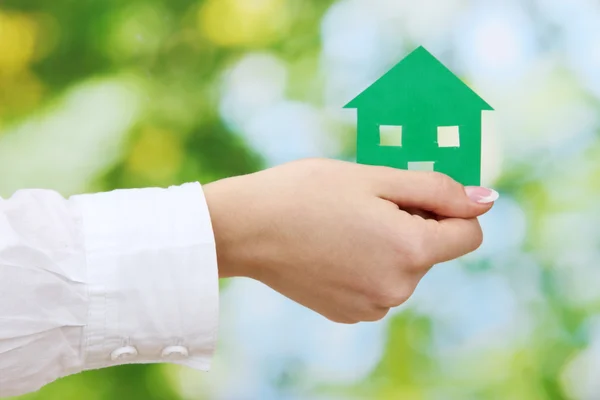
(336, 236)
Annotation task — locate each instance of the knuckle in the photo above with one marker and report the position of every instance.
(409, 252)
(443, 184)
(392, 297)
(416, 254)
(477, 235)
(377, 314)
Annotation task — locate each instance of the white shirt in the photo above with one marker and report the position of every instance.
(97, 280)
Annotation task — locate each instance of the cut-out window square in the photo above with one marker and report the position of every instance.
(390, 135)
(421, 166)
(448, 136)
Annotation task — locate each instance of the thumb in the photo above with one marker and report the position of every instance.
(435, 192)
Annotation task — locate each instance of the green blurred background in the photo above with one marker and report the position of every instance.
(103, 94)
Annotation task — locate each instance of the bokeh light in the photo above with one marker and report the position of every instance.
(243, 22)
(17, 42)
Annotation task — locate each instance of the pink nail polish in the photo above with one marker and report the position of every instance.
(482, 195)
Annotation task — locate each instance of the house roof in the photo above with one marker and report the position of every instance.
(419, 76)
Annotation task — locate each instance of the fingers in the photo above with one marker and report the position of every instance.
(421, 213)
(451, 238)
(432, 191)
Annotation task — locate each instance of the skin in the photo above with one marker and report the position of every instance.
(348, 241)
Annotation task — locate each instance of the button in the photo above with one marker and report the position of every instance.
(124, 353)
(175, 352)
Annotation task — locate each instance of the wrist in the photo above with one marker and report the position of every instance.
(227, 222)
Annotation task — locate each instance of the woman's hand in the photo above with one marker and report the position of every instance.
(337, 236)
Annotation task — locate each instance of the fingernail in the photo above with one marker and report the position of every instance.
(482, 195)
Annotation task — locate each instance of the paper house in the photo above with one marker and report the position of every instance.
(419, 115)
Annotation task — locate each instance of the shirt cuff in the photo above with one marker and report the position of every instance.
(152, 277)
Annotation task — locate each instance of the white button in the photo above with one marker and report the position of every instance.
(124, 353)
(175, 352)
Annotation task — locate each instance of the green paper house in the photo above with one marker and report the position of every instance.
(420, 116)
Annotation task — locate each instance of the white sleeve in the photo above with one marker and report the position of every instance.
(128, 276)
